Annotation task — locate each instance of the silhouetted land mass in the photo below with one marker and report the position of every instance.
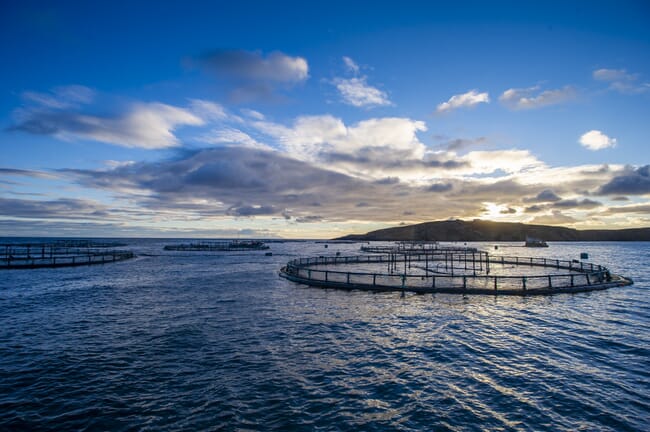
(480, 230)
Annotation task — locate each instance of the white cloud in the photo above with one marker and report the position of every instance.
(308, 136)
(61, 97)
(509, 161)
(621, 81)
(252, 114)
(208, 110)
(351, 65)
(148, 126)
(275, 67)
(525, 98)
(612, 75)
(281, 67)
(465, 100)
(253, 75)
(381, 147)
(356, 92)
(396, 133)
(145, 125)
(230, 135)
(112, 164)
(596, 140)
(315, 138)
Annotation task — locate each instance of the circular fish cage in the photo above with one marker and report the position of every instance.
(454, 272)
(415, 247)
(218, 246)
(58, 254)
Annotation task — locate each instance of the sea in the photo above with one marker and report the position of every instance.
(194, 341)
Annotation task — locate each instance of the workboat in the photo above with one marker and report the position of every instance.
(534, 242)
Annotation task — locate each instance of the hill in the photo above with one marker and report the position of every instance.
(480, 230)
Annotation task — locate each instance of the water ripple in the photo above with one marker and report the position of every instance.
(219, 342)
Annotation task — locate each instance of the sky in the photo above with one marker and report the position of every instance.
(320, 119)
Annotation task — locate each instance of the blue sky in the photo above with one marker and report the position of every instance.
(286, 119)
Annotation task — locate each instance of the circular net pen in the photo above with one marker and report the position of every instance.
(455, 272)
(218, 246)
(57, 254)
(416, 247)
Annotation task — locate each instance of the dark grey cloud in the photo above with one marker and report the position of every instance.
(574, 203)
(555, 218)
(508, 210)
(252, 75)
(639, 208)
(534, 209)
(230, 180)
(459, 144)
(25, 173)
(440, 187)
(248, 182)
(506, 190)
(52, 209)
(253, 182)
(387, 181)
(547, 195)
(247, 65)
(309, 219)
(633, 182)
(48, 228)
(566, 204)
(390, 159)
(248, 210)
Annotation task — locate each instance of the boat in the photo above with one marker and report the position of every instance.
(535, 242)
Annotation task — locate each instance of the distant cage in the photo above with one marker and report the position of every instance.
(65, 253)
(457, 271)
(234, 245)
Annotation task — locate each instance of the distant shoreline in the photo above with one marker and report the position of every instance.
(488, 231)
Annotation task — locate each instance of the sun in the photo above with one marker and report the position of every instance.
(497, 211)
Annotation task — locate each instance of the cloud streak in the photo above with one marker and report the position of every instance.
(532, 98)
(465, 100)
(621, 81)
(143, 125)
(61, 97)
(53, 209)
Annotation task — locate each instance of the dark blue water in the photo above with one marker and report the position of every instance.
(200, 341)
